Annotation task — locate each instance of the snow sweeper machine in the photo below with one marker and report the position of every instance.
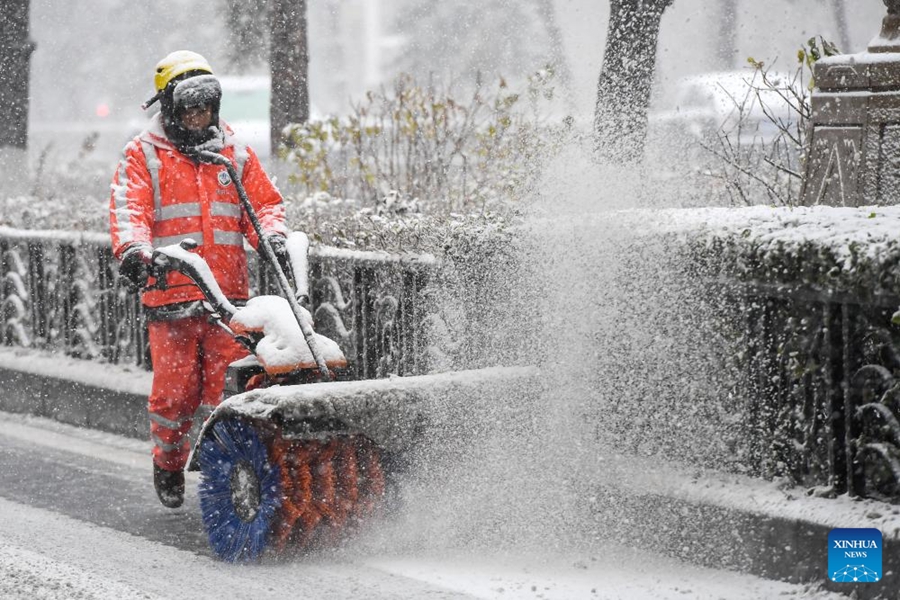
(274, 475)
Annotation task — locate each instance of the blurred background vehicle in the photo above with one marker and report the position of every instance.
(740, 104)
(719, 135)
(97, 136)
(245, 107)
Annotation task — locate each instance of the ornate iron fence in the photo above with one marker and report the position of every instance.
(821, 377)
(59, 292)
(374, 305)
(820, 369)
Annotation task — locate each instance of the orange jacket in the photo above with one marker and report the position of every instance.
(160, 197)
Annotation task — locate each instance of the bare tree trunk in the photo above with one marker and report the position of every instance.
(247, 36)
(289, 67)
(840, 19)
(15, 62)
(623, 92)
(338, 82)
(726, 34)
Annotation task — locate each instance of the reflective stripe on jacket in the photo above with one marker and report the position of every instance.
(160, 197)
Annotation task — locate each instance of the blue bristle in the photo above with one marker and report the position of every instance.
(232, 539)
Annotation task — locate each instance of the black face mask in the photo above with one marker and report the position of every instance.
(192, 89)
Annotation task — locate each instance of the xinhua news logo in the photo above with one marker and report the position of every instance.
(854, 555)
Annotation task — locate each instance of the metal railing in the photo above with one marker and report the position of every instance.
(820, 370)
(59, 292)
(821, 377)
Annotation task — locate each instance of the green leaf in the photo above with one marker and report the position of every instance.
(829, 47)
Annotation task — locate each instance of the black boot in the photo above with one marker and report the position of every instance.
(169, 486)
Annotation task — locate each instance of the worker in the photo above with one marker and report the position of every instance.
(162, 193)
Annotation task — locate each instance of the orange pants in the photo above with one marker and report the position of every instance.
(189, 360)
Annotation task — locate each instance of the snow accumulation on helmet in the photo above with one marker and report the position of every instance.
(200, 90)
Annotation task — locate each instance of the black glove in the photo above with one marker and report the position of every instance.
(279, 247)
(135, 268)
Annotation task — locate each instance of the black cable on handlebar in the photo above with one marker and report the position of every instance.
(269, 254)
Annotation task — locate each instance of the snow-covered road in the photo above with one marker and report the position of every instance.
(78, 519)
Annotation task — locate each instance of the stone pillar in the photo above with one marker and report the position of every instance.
(853, 153)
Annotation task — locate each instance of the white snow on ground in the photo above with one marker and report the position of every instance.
(46, 555)
(27, 574)
(124, 378)
(633, 575)
(87, 442)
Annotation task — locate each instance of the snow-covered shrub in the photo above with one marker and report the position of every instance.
(69, 196)
(810, 292)
(720, 337)
(394, 224)
(482, 291)
(417, 142)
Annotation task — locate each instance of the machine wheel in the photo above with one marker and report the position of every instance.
(240, 491)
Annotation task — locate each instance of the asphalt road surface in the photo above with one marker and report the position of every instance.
(79, 519)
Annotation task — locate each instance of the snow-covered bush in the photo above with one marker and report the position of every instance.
(422, 144)
(414, 169)
(722, 337)
(393, 225)
(70, 196)
(808, 294)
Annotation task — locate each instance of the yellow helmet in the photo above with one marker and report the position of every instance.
(177, 63)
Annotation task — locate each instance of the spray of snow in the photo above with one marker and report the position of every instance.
(580, 300)
(634, 374)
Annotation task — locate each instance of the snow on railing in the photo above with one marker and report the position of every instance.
(59, 291)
